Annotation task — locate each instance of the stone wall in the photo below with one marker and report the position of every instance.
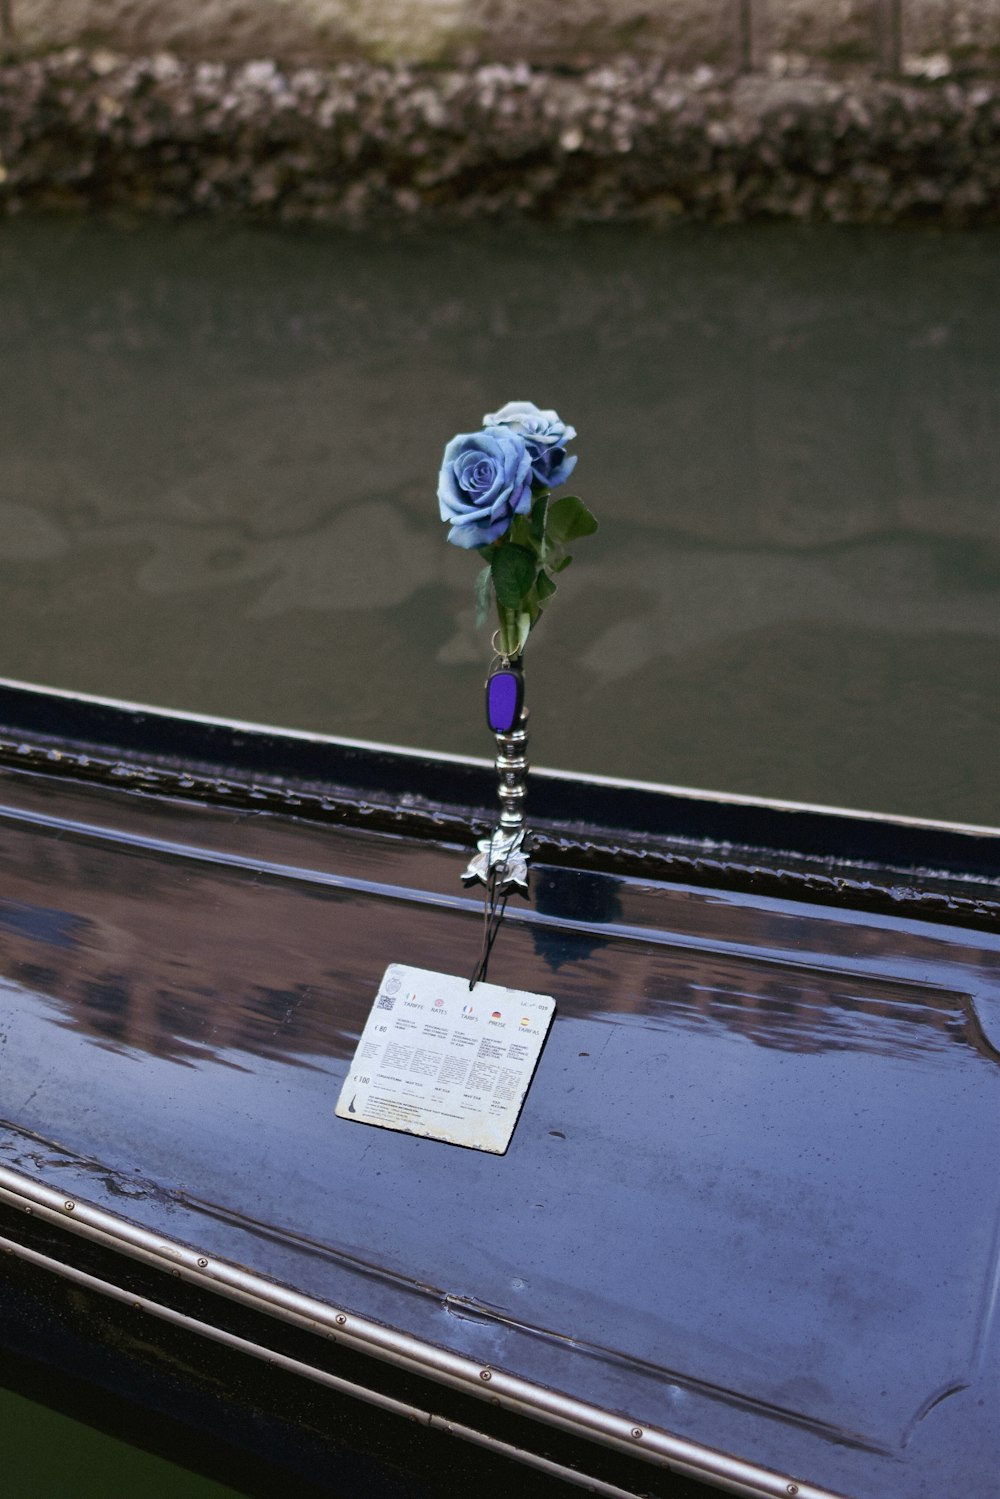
(348, 110)
(357, 142)
(681, 33)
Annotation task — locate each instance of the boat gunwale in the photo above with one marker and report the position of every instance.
(936, 872)
(379, 747)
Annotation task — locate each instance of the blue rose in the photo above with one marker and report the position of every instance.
(485, 481)
(545, 438)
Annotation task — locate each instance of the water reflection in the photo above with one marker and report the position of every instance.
(216, 490)
(595, 899)
(200, 963)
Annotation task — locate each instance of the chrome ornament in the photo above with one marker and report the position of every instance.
(502, 852)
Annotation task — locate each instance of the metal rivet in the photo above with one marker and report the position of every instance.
(637, 1432)
(202, 1264)
(341, 1320)
(793, 1488)
(485, 1375)
(69, 1206)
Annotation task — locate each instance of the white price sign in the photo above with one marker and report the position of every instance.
(439, 1060)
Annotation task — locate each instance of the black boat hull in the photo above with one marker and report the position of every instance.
(733, 1242)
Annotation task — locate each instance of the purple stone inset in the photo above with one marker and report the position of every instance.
(504, 692)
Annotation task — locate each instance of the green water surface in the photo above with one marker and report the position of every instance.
(50, 1456)
(219, 445)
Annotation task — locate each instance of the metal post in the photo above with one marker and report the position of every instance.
(748, 23)
(501, 860)
(6, 24)
(512, 769)
(889, 35)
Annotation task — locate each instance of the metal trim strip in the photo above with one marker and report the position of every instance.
(508, 1390)
(307, 1371)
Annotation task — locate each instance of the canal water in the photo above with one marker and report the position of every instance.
(218, 453)
(49, 1456)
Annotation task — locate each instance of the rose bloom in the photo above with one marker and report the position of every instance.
(485, 480)
(545, 437)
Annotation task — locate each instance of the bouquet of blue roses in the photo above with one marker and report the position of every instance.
(495, 491)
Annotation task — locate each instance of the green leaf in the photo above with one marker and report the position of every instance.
(568, 518)
(563, 563)
(513, 571)
(483, 583)
(538, 516)
(544, 587)
(520, 531)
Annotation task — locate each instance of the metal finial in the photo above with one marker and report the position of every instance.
(503, 853)
(512, 770)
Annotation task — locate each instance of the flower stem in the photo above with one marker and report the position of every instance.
(513, 632)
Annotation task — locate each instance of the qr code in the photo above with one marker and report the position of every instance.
(385, 1002)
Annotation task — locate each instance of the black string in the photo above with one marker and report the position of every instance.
(492, 917)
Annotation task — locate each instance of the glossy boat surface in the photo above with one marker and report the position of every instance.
(747, 1228)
